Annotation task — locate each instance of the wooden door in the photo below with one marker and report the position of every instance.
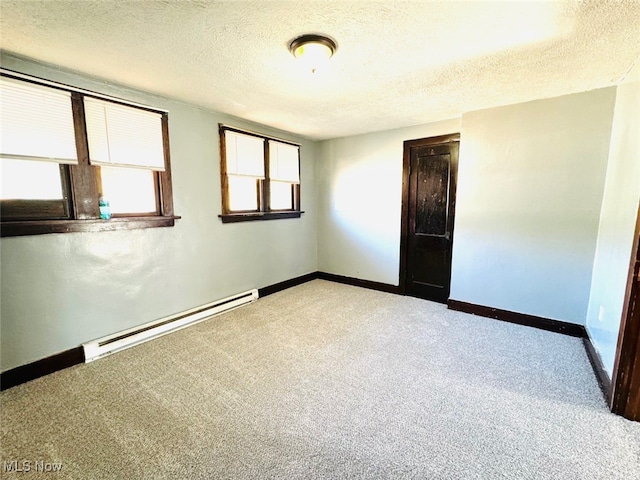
(429, 194)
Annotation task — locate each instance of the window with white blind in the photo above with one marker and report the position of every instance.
(37, 123)
(260, 176)
(120, 135)
(63, 151)
(284, 175)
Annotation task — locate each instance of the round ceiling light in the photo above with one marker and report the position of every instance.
(314, 50)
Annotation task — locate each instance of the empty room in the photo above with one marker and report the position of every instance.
(319, 240)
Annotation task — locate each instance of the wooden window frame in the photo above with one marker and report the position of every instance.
(264, 211)
(79, 210)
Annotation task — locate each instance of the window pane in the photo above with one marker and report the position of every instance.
(281, 196)
(129, 190)
(243, 193)
(30, 180)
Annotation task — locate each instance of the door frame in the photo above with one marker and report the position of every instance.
(404, 222)
(626, 370)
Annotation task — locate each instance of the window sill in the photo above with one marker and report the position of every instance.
(41, 227)
(252, 217)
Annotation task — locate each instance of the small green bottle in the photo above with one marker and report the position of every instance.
(105, 210)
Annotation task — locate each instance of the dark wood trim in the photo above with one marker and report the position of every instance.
(598, 368)
(331, 277)
(404, 219)
(264, 197)
(357, 282)
(542, 323)
(222, 126)
(224, 178)
(261, 184)
(253, 216)
(85, 178)
(41, 227)
(296, 193)
(625, 394)
(40, 368)
(157, 189)
(439, 140)
(166, 189)
(292, 282)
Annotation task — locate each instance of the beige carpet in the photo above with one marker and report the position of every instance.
(327, 381)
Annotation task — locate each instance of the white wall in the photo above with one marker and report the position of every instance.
(60, 290)
(530, 189)
(530, 186)
(360, 201)
(617, 222)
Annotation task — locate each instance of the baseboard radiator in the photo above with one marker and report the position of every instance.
(134, 336)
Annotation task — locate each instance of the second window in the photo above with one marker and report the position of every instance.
(260, 176)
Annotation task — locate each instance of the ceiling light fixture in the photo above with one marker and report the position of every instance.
(314, 50)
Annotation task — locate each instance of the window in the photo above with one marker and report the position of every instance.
(63, 149)
(260, 176)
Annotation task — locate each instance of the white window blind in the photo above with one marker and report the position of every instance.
(244, 154)
(283, 162)
(123, 136)
(36, 123)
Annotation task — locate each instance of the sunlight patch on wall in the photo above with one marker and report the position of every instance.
(364, 200)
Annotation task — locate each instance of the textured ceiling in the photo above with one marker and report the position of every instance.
(397, 64)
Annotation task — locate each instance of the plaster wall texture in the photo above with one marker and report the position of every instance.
(530, 187)
(617, 222)
(60, 290)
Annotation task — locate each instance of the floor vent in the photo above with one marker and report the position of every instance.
(134, 336)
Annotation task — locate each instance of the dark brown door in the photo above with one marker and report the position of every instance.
(430, 192)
